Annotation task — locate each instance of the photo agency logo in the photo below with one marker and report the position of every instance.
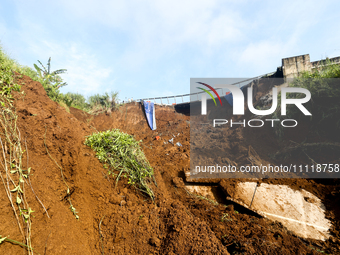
(238, 99)
(204, 97)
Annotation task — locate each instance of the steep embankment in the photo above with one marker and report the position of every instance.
(119, 220)
(132, 224)
(57, 229)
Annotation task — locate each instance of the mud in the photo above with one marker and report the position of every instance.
(177, 222)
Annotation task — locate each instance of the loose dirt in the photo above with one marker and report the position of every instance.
(119, 220)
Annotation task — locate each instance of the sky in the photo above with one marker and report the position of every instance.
(143, 49)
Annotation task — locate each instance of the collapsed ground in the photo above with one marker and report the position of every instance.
(119, 220)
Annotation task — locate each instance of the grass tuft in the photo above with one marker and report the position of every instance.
(120, 152)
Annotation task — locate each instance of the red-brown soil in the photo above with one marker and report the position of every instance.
(175, 223)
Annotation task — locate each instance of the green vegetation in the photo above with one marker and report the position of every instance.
(75, 100)
(323, 84)
(225, 217)
(52, 82)
(7, 68)
(6, 239)
(326, 70)
(100, 103)
(12, 173)
(120, 152)
(324, 105)
(202, 197)
(94, 104)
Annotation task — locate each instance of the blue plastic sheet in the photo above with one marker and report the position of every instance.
(229, 97)
(149, 109)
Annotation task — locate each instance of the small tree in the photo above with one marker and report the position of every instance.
(51, 81)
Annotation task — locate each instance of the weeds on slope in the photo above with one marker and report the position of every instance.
(324, 104)
(52, 82)
(120, 152)
(12, 174)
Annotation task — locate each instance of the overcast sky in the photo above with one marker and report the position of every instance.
(152, 48)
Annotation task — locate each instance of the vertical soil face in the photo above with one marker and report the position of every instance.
(118, 219)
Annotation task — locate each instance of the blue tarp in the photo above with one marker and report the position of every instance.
(229, 97)
(149, 109)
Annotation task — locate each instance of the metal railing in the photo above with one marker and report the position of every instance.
(180, 98)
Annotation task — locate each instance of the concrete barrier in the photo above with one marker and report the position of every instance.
(293, 66)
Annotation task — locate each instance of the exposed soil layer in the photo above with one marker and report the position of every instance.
(119, 220)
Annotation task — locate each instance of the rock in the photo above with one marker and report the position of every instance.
(155, 241)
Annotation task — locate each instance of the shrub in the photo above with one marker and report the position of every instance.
(324, 105)
(105, 102)
(77, 100)
(120, 152)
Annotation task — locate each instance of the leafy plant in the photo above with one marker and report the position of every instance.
(75, 100)
(51, 78)
(12, 173)
(120, 152)
(51, 81)
(225, 218)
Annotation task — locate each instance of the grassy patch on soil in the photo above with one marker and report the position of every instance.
(120, 152)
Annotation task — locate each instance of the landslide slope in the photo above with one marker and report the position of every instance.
(119, 220)
(131, 223)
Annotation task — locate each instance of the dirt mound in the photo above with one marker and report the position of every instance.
(93, 193)
(41, 119)
(119, 220)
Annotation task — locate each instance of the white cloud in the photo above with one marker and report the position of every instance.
(157, 27)
(262, 55)
(146, 43)
(283, 35)
(85, 74)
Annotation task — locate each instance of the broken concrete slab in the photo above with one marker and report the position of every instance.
(299, 210)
